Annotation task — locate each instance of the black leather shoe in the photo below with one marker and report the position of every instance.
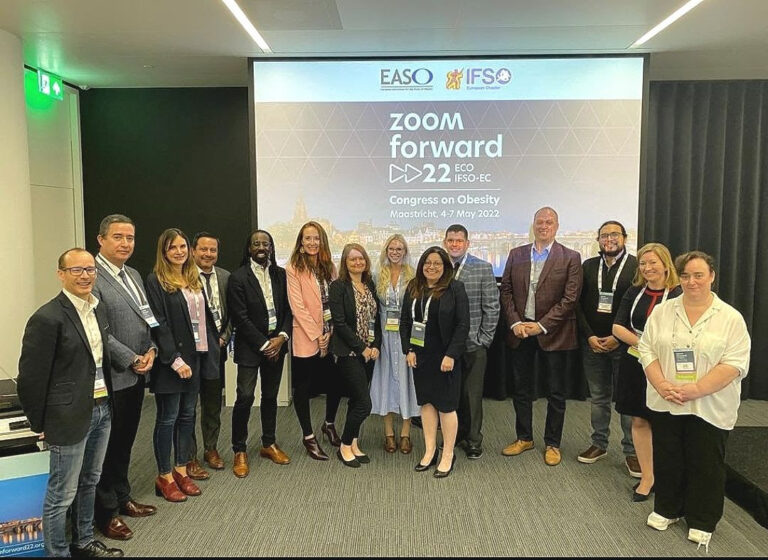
(637, 497)
(330, 432)
(416, 421)
(363, 459)
(354, 463)
(421, 468)
(95, 548)
(473, 452)
(442, 474)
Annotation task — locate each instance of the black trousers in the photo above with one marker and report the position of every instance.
(303, 370)
(523, 371)
(689, 469)
(210, 409)
(355, 374)
(114, 489)
(470, 411)
(271, 374)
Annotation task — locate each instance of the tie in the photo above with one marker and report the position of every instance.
(207, 276)
(128, 287)
(456, 266)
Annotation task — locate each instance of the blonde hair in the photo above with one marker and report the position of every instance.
(662, 252)
(169, 280)
(384, 278)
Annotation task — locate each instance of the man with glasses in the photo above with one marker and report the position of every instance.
(205, 252)
(261, 315)
(606, 278)
(121, 291)
(65, 387)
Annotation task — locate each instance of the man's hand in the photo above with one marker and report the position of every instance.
(596, 344)
(532, 329)
(222, 343)
(610, 343)
(275, 344)
(447, 364)
(519, 331)
(145, 362)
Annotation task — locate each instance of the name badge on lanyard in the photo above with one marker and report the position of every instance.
(272, 322)
(685, 365)
(371, 330)
(605, 302)
(327, 313)
(419, 329)
(216, 317)
(605, 299)
(393, 320)
(196, 330)
(99, 384)
(149, 317)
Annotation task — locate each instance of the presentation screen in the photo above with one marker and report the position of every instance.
(369, 148)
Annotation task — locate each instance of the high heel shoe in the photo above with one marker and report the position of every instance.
(442, 474)
(330, 432)
(389, 444)
(637, 496)
(354, 463)
(421, 468)
(313, 449)
(363, 459)
(185, 484)
(168, 490)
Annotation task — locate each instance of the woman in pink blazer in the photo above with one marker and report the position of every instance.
(309, 273)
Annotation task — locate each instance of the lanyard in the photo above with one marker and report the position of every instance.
(637, 299)
(426, 310)
(461, 266)
(127, 283)
(615, 280)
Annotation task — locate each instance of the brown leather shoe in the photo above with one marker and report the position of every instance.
(592, 455)
(196, 472)
(135, 509)
(185, 484)
(552, 456)
(169, 490)
(275, 454)
(116, 529)
(389, 444)
(240, 466)
(313, 449)
(633, 466)
(405, 445)
(517, 447)
(213, 459)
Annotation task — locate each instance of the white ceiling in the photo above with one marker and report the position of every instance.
(157, 43)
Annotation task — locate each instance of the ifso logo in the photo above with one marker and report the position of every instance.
(405, 78)
(480, 78)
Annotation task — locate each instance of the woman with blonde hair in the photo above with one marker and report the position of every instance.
(655, 281)
(187, 342)
(309, 274)
(392, 389)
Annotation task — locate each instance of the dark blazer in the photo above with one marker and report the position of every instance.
(174, 338)
(57, 371)
(341, 298)
(223, 276)
(249, 314)
(129, 334)
(557, 295)
(453, 319)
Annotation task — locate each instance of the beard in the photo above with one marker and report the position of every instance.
(614, 253)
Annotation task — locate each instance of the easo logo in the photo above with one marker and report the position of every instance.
(488, 76)
(405, 78)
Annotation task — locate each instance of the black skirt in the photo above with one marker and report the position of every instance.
(630, 388)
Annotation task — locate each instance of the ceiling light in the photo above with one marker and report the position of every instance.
(247, 25)
(677, 14)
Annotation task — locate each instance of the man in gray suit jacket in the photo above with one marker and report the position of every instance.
(480, 284)
(120, 290)
(205, 252)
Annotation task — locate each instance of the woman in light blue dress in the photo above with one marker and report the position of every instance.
(392, 390)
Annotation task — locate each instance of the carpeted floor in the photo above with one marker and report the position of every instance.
(495, 506)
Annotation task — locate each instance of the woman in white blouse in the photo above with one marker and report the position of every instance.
(695, 352)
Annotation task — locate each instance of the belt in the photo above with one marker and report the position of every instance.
(100, 400)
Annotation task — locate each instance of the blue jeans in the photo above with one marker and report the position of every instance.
(74, 472)
(174, 425)
(601, 371)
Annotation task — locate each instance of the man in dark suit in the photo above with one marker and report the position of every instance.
(539, 292)
(205, 252)
(261, 315)
(121, 291)
(64, 387)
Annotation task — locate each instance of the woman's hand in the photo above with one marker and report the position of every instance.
(375, 353)
(688, 392)
(447, 364)
(185, 372)
(410, 359)
(669, 392)
(367, 354)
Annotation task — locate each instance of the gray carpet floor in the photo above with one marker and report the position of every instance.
(494, 506)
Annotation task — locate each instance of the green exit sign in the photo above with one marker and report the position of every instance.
(50, 85)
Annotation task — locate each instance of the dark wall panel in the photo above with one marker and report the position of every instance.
(168, 158)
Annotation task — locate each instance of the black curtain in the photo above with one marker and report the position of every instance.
(707, 188)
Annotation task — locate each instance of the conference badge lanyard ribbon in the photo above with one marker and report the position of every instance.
(393, 309)
(605, 299)
(632, 351)
(461, 267)
(419, 329)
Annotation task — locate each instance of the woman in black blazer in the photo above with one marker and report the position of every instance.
(187, 342)
(355, 342)
(434, 327)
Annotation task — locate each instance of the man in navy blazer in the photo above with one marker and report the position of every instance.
(540, 289)
(261, 316)
(121, 291)
(64, 386)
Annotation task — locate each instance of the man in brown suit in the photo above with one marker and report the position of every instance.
(539, 292)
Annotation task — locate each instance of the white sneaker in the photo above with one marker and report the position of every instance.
(660, 523)
(700, 537)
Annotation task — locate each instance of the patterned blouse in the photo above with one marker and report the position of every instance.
(365, 308)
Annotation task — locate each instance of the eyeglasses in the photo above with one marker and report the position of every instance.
(613, 235)
(78, 270)
(265, 244)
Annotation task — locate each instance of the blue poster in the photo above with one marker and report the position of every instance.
(23, 480)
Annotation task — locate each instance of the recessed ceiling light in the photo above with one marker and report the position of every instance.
(148, 66)
(247, 25)
(677, 14)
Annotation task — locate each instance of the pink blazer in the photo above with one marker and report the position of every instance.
(307, 307)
